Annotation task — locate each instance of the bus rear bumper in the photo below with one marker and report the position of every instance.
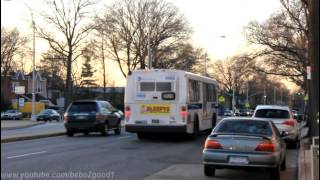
(156, 128)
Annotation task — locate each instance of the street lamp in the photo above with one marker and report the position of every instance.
(33, 59)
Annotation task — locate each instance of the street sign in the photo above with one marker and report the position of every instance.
(19, 89)
(21, 102)
(221, 99)
(247, 105)
(309, 72)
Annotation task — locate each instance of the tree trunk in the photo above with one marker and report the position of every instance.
(68, 92)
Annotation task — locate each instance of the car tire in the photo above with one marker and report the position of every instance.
(284, 164)
(118, 130)
(209, 171)
(104, 130)
(70, 133)
(275, 173)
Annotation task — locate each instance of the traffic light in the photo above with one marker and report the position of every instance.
(298, 93)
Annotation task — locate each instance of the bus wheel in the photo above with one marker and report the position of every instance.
(195, 133)
(214, 120)
(142, 135)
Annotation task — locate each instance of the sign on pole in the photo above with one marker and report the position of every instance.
(221, 99)
(19, 90)
(21, 102)
(247, 105)
(309, 72)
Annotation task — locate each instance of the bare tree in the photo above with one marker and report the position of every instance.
(231, 72)
(283, 42)
(67, 18)
(130, 23)
(12, 44)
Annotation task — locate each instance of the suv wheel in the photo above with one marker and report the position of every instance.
(104, 130)
(209, 170)
(118, 130)
(142, 135)
(69, 133)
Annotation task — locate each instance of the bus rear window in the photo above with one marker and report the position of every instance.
(147, 86)
(164, 86)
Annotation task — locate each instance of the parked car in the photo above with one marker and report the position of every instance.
(91, 116)
(11, 114)
(48, 115)
(297, 115)
(120, 113)
(242, 143)
(228, 113)
(282, 117)
(243, 112)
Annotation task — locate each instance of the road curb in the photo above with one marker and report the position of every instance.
(21, 127)
(38, 136)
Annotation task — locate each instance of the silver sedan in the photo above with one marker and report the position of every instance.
(245, 143)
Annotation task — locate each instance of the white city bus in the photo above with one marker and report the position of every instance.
(169, 101)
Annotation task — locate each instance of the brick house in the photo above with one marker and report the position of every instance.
(17, 78)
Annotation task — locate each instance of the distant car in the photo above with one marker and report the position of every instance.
(243, 112)
(282, 117)
(91, 116)
(48, 115)
(228, 113)
(297, 115)
(243, 143)
(11, 114)
(120, 113)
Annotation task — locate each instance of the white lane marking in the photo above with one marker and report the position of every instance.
(28, 154)
(125, 137)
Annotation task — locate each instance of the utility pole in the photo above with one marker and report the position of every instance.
(264, 96)
(247, 97)
(281, 95)
(274, 96)
(149, 53)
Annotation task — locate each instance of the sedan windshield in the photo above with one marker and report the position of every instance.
(244, 127)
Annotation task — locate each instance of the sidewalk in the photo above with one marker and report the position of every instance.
(308, 163)
(17, 124)
(31, 130)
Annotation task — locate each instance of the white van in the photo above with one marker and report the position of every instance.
(169, 101)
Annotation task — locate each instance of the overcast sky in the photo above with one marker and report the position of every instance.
(209, 19)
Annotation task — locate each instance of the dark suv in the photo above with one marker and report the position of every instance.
(91, 116)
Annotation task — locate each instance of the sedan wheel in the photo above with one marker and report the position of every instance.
(209, 170)
(275, 173)
(104, 130)
(118, 130)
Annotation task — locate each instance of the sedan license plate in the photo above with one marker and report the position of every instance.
(238, 160)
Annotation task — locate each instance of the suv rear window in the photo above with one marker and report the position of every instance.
(244, 127)
(83, 107)
(272, 113)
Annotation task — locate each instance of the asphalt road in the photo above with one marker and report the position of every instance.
(121, 157)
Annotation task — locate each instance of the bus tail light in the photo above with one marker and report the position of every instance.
(127, 112)
(184, 113)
